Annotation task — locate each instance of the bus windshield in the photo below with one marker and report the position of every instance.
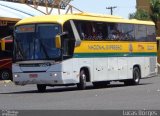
(36, 42)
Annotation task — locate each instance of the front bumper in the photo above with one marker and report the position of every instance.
(52, 78)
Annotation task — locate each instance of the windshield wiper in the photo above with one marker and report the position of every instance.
(43, 47)
(19, 50)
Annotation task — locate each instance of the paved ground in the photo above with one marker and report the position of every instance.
(115, 96)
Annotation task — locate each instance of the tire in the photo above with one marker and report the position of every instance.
(136, 77)
(41, 88)
(82, 84)
(5, 75)
(100, 84)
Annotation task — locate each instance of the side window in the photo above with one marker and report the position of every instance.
(85, 29)
(68, 41)
(140, 33)
(79, 27)
(67, 28)
(100, 31)
(127, 32)
(89, 30)
(151, 35)
(114, 31)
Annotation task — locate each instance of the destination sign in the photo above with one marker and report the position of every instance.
(25, 28)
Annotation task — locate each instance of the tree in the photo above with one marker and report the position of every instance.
(140, 14)
(155, 9)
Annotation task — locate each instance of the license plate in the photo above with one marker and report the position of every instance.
(33, 75)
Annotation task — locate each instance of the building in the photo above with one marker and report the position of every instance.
(6, 26)
(11, 11)
(10, 14)
(143, 4)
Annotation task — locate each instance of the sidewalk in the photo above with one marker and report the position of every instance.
(5, 81)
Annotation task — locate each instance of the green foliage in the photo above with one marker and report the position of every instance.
(155, 8)
(140, 14)
(143, 15)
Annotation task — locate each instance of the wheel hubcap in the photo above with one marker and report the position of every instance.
(84, 77)
(5, 75)
(136, 77)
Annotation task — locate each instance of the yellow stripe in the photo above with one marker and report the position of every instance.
(115, 47)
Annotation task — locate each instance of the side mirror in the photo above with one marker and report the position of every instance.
(2, 44)
(58, 41)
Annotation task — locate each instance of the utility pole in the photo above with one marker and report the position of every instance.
(111, 8)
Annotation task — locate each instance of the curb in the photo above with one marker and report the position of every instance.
(5, 81)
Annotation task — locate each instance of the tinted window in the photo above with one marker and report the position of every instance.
(151, 35)
(128, 33)
(140, 33)
(67, 28)
(100, 31)
(114, 31)
(85, 29)
(89, 30)
(68, 41)
(121, 32)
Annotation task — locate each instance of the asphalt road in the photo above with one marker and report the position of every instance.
(116, 96)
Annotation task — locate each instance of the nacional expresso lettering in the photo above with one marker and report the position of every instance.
(105, 47)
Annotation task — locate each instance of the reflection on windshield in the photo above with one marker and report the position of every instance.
(36, 42)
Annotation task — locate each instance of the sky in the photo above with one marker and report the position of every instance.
(124, 7)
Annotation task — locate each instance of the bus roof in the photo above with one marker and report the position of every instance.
(61, 19)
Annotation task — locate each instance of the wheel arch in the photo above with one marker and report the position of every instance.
(139, 67)
(87, 71)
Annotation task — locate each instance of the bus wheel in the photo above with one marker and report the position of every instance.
(41, 88)
(82, 84)
(5, 75)
(136, 77)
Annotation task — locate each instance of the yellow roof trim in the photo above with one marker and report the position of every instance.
(61, 19)
(98, 15)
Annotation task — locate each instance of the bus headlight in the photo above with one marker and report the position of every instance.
(54, 74)
(16, 75)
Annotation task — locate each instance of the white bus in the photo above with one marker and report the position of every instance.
(79, 48)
